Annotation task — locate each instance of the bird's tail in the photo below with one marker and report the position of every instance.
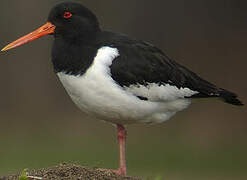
(230, 97)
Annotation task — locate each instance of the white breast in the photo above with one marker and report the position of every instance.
(96, 93)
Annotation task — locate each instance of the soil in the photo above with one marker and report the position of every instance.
(66, 171)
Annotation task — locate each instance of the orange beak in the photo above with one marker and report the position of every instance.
(46, 29)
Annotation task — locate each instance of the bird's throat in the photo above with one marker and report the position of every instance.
(72, 57)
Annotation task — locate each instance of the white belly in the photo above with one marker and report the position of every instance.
(96, 93)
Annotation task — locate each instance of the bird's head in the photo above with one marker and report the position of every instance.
(73, 19)
(67, 20)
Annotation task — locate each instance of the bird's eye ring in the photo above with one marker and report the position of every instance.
(67, 15)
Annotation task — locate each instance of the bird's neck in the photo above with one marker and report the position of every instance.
(73, 56)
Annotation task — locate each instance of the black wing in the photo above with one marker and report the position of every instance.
(140, 63)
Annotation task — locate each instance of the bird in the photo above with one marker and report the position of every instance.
(115, 78)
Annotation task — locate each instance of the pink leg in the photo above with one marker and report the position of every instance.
(122, 133)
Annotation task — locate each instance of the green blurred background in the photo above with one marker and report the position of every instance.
(41, 127)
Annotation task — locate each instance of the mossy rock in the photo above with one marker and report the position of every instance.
(69, 172)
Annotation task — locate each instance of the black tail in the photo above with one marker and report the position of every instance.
(230, 97)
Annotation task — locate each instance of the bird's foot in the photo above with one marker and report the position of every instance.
(120, 171)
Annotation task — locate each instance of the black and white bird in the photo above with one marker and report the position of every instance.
(115, 78)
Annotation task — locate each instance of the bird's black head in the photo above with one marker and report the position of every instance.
(73, 20)
(69, 21)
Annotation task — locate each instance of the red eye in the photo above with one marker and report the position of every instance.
(67, 15)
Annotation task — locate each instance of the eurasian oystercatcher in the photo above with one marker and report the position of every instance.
(115, 78)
